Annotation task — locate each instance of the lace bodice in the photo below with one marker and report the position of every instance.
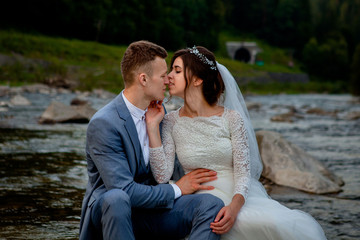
(218, 143)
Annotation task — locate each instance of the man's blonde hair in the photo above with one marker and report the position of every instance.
(138, 56)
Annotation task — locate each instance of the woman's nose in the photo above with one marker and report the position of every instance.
(170, 75)
(166, 80)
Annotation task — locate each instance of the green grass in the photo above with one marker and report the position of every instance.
(94, 65)
(91, 64)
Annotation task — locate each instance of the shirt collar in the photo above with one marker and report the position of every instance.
(134, 111)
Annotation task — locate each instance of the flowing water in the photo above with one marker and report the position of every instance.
(43, 168)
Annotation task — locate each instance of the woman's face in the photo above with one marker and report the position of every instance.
(177, 82)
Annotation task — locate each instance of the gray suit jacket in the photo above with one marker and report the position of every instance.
(115, 160)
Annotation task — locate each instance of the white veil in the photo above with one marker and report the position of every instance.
(233, 99)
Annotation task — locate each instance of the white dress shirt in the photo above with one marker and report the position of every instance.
(138, 116)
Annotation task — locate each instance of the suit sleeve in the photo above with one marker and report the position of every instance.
(110, 150)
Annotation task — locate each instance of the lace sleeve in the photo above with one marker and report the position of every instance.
(162, 158)
(241, 157)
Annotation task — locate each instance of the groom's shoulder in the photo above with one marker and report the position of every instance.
(105, 113)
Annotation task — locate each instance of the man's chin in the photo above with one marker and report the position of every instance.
(160, 98)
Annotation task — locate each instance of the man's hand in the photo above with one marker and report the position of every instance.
(192, 181)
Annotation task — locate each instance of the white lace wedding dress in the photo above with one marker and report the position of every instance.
(219, 143)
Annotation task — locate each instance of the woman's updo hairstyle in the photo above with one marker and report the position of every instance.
(200, 62)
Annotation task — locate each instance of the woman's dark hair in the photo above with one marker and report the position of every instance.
(213, 85)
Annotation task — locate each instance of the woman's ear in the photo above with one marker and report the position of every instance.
(197, 81)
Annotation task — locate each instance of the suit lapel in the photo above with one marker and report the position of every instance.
(129, 125)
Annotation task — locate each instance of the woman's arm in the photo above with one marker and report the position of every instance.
(241, 161)
(162, 156)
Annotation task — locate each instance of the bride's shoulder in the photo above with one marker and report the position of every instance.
(233, 116)
(231, 113)
(171, 116)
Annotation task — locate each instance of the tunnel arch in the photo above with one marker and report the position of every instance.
(243, 54)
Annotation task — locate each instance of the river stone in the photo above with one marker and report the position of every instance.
(288, 165)
(58, 112)
(19, 100)
(353, 115)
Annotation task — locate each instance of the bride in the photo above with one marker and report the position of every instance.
(213, 131)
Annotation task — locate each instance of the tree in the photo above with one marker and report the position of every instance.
(355, 73)
(328, 59)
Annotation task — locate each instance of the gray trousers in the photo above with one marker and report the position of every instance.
(191, 215)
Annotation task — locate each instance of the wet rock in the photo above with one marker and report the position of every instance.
(353, 115)
(78, 102)
(288, 165)
(59, 81)
(286, 117)
(60, 113)
(4, 91)
(253, 106)
(20, 100)
(291, 116)
(4, 104)
(103, 94)
(321, 112)
(36, 88)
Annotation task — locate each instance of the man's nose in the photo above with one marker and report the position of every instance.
(166, 81)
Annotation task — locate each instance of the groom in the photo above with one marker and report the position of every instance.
(122, 200)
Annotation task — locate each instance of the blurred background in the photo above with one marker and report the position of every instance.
(297, 63)
(320, 38)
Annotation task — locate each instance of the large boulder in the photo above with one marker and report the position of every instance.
(288, 165)
(58, 112)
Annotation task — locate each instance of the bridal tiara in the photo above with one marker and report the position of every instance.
(202, 57)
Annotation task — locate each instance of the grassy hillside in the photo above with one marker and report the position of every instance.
(88, 65)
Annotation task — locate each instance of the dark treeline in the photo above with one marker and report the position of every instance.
(323, 34)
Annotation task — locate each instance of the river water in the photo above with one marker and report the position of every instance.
(43, 168)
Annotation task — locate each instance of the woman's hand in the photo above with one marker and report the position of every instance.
(153, 117)
(226, 217)
(154, 114)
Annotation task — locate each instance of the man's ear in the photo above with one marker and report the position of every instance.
(143, 79)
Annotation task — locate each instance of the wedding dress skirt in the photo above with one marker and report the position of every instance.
(262, 218)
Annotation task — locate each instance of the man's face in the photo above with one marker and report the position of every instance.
(156, 86)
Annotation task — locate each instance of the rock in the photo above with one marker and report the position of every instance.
(288, 165)
(58, 81)
(60, 113)
(19, 100)
(290, 116)
(103, 94)
(286, 117)
(353, 115)
(320, 111)
(36, 88)
(78, 102)
(253, 106)
(4, 104)
(4, 91)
